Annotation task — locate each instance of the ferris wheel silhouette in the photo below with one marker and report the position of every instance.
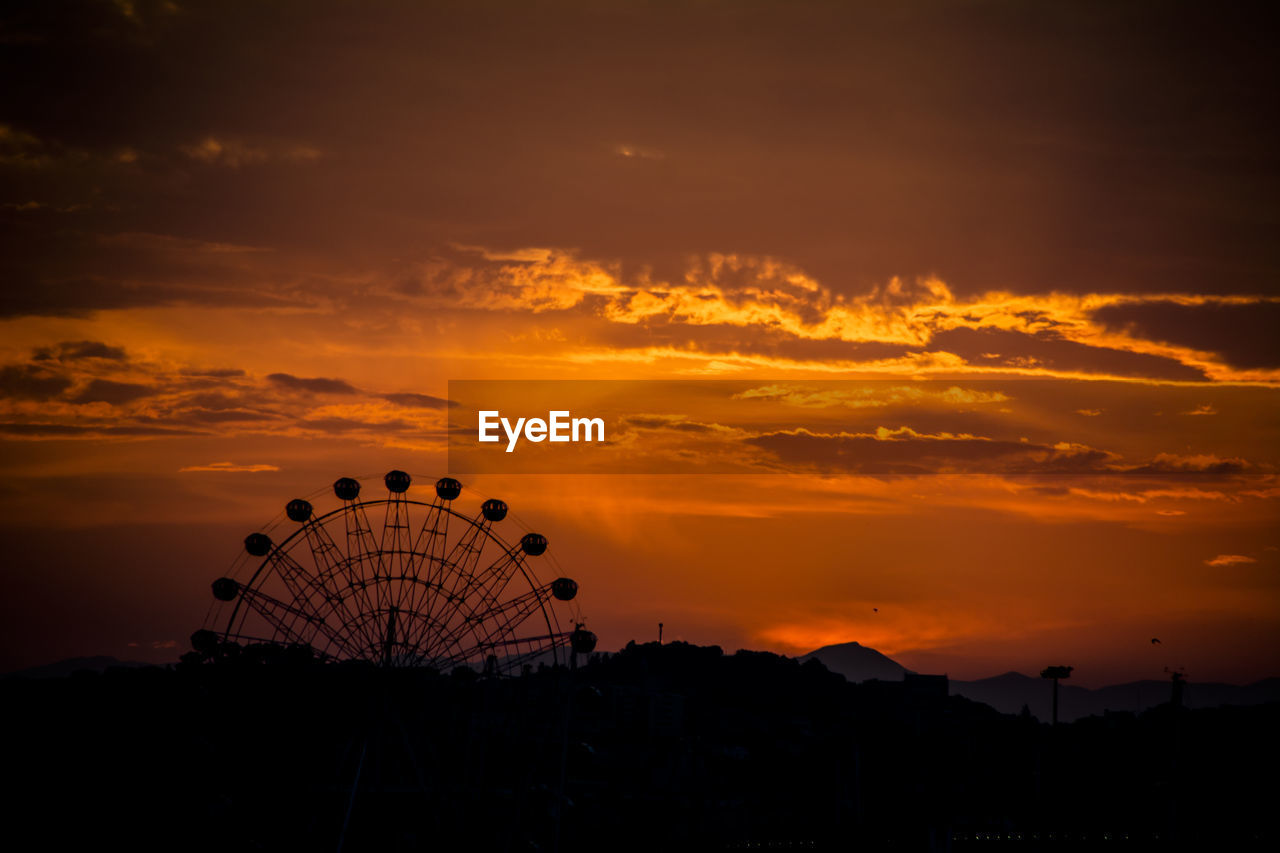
(427, 587)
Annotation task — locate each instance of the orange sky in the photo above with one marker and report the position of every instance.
(244, 254)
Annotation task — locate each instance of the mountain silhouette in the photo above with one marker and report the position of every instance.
(1010, 692)
(857, 662)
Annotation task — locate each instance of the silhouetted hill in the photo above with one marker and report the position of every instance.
(857, 662)
(1008, 693)
(1011, 691)
(63, 668)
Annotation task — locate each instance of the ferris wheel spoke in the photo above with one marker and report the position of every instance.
(429, 627)
(298, 581)
(489, 585)
(284, 619)
(413, 564)
(417, 626)
(358, 602)
(433, 551)
(362, 555)
(391, 551)
(498, 622)
(515, 651)
(360, 544)
(332, 577)
(466, 584)
(312, 595)
(464, 557)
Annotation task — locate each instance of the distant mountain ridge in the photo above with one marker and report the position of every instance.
(1008, 693)
(63, 668)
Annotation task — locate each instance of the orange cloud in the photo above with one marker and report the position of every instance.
(229, 467)
(1229, 560)
(236, 153)
(774, 297)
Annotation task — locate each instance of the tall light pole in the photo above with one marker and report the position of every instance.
(1056, 673)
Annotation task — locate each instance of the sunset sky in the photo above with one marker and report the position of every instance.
(1021, 256)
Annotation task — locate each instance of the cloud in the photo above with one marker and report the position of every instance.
(214, 373)
(1119, 495)
(1229, 560)
(1045, 333)
(76, 350)
(1203, 463)
(1051, 351)
(674, 423)
(536, 280)
(341, 426)
(318, 385)
(230, 467)
(236, 153)
(419, 401)
(905, 451)
(110, 391)
(31, 382)
(869, 396)
(24, 150)
(54, 430)
(219, 416)
(638, 152)
(1243, 335)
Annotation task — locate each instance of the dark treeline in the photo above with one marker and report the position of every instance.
(652, 748)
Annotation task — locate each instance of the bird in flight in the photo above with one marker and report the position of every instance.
(1155, 641)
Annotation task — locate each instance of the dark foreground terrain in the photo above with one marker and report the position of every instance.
(653, 748)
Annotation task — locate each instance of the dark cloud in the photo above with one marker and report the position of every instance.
(674, 425)
(346, 425)
(75, 350)
(419, 401)
(81, 295)
(1244, 336)
(109, 391)
(1001, 156)
(31, 382)
(215, 400)
(46, 430)
(318, 385)
(1166, 463)
(216, 373)
(1001, 348)
(219, 416)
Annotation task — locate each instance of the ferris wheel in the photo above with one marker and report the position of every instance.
(397, 582)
